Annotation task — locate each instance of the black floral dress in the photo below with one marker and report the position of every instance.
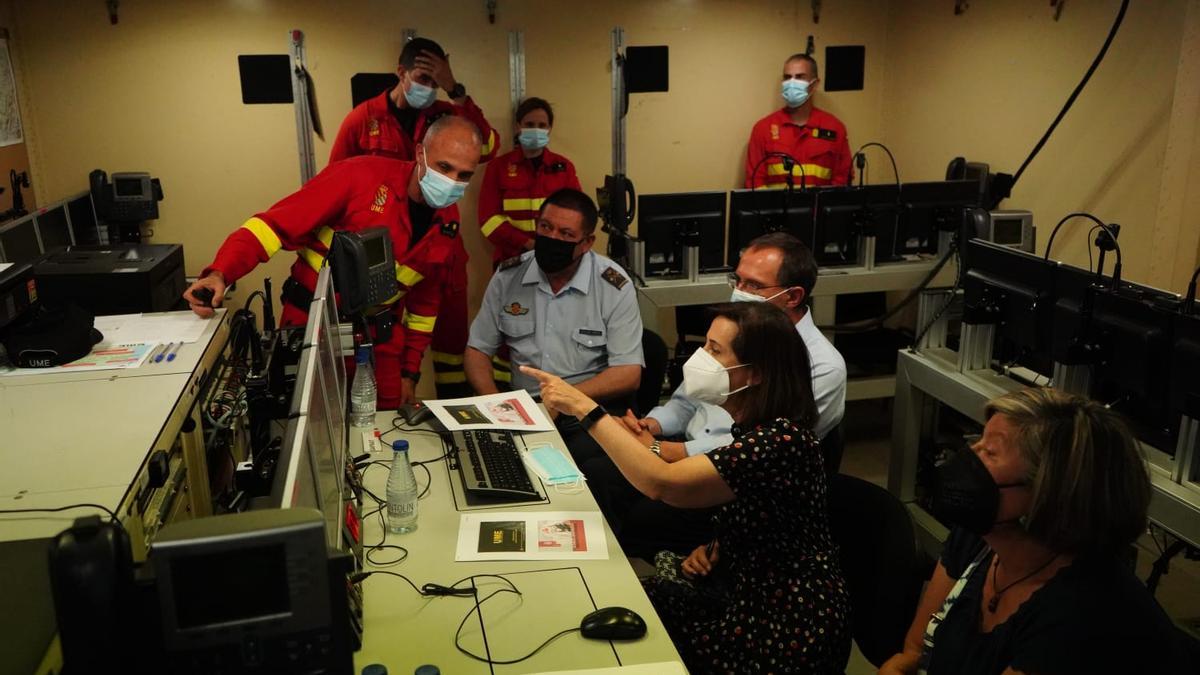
(785, 608)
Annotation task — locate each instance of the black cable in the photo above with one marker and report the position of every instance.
(83, 505)
(945, 305)
(1112, 33)
(781, 155)
(872, 324)
(895, 172)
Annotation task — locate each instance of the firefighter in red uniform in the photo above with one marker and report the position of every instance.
(814, 140)
(516, 184)
(414, 200)
(391, 125)
(514, 187)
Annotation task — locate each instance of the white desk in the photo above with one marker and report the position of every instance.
(403, 630)
(75, 437)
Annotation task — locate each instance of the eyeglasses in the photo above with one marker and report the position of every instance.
(735, 281)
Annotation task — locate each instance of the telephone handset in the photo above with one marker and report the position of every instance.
(130, 197)
(364, 269)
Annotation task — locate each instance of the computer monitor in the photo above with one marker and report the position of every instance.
(1184, 390)
(84, 227)
(847, 214)
(53, 227)
(19, 241)
(669, 222)
(930, 208)
(1014, 291)
(753, 213)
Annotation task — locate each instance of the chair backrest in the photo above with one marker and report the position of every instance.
(654, 351)
(879, 561)
(832, 447)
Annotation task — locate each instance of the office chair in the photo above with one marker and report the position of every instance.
(879, 561)
(691, 327)
(654, 350)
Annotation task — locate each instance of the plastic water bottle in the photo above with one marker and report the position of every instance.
(401, 491)
(362, 390)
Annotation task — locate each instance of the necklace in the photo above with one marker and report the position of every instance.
(998, 592)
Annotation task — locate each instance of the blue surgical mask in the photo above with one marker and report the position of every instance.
(439, 189)
(550, 465)
(795, 92)
(534, 139)
(420, 96)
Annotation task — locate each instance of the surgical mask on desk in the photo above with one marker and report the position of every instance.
(420, 96)
(706, 380)
(795, 92)
(550, 465)
(534, 139)
(439, 189)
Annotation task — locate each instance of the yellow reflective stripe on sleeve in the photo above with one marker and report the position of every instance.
(449, 359)
(519, 205)
(407, 275)
(423, 324)
(450, 378)
(325, 236)
(392, 300)
(498, 362)
(537, 203)
(488, 144)
(524, 225)
(313, 258)
(264, 234)
(810, 170)
(501, 375)
(492, 223)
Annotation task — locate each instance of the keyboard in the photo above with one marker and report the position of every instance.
(491, 466)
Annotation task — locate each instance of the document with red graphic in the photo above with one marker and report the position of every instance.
(510, 410)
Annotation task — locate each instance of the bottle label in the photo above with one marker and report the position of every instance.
(402, 511)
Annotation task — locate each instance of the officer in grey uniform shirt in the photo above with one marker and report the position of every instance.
(564, 309)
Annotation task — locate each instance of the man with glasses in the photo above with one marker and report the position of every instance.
(564, 309)
(775, 268)
(799, 137)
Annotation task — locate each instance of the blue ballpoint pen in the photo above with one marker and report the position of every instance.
(161, 354)
(171, 355)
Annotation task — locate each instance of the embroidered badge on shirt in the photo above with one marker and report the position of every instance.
(516, 309)
(612, 276)
(824, 134)
(450, 229)
(512, 170)
(381, 195)
(372, 127)
(511, 262)
(774, 132)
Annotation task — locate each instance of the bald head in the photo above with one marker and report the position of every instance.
(451, 147)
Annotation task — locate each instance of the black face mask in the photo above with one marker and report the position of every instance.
(966, 494)
(553, 255)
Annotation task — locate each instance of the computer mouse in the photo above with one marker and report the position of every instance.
(612, 623)
(415, 414)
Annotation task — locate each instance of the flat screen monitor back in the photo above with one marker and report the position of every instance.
(1185, 366)
(930, 208)
(1013, 290)
(83, 220)
(753, 213)
(328, 465)
(52, 225)
(669, 222)
(20, 242)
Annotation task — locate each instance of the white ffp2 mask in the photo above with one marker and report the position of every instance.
(706, 380)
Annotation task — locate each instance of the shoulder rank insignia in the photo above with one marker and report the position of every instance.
(450, 229)
(516, 309)
(824, 134)
(510, 263)
(612, 276)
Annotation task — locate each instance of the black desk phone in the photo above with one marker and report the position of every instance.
(364, 269)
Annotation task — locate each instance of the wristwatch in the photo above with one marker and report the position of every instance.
(459, 90)
(415, 376)
(656, 448)
(598, 413)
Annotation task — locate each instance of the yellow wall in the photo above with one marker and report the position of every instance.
(160, 92)
(986, 85)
